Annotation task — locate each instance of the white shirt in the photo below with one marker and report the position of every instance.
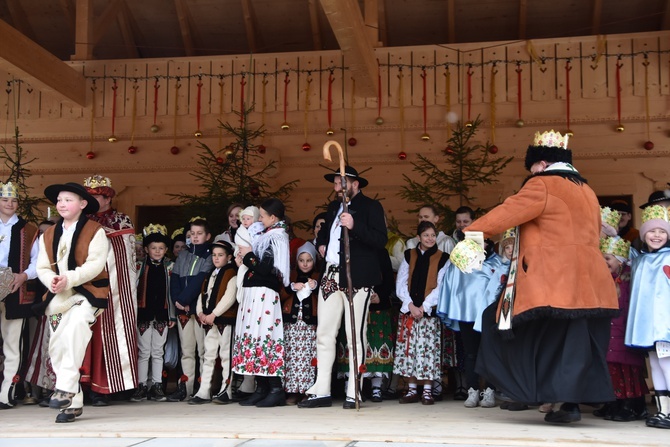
(5, 243)
(402, 289)
(333, 248)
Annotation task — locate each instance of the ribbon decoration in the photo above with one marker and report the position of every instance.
(519, 88)
(156, 87)
(264, 104)
(134, 114)
(308, 92)
(198, 105)
(470, 73)
(93, 106)
(425, 136)
(494, 71)
(618, 93)
(568, 68)
(243, 82)
(221, 90)
(287, 81)
(401, 107)
(331, 79)
(601, 48)
(646, 93)
(353, 106)
(177, 85)
(112, 138)
(379, 90)
(447, 98)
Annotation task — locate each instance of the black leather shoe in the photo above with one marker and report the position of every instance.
(316, 402)
(178, 395)
(349, 404)
(568, 413)
(195, 400)
(256, 397)
(222, 399)
(60, 400)
(99, 400)
(240, 395)
(516, 406)
(605, 410)
(275, 398)
(4, 406)
(68, 415)
(625, 414)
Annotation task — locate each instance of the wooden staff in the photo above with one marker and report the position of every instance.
(347, 259)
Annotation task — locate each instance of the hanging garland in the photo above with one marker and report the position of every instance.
(425, 136)
(264, 107)
(493, 148)
(285, 125)
(90, 154)
(469, 98)
(198, 103)
(519, 96)
(331, 79)
(401, 108)
(243, 82)
(379, 121)
(451, 118)
(352, 140)
(306, 146)
(174, 149)
(112, 138)
(132, 148)
(648, 145)
(154, 127)
(568, 68)
(619, 127)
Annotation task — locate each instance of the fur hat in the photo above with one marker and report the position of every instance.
(51, 192)
(655, 216)
(549, 146)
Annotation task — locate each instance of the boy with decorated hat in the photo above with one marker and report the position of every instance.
(71, 265)
(18, 258)
(155, 312)
(649, 315)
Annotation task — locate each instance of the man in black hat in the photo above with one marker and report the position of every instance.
(626, 230)
(367, 234)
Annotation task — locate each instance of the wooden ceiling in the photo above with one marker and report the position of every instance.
(121, 29)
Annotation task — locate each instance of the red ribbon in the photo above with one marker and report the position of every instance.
(423, 77)
(470, 73)
(286, 82)
(197, 112)
(114, 88)
(379, 90)
(156, 87)
(618, 89)
(331, 79)
(567, 91)
(243, 82)
(518, 81)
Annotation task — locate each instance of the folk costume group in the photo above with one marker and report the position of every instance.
(561, 310)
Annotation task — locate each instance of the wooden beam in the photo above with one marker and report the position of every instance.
(35, 65)
(371, 17)
(251, 26)
(184, 27)
(20, 19)
(383, 27)
(347, 22)
(666, 16)
(523, 18)
(451, 21)
(70, 15)
(597, 16)
(126, 26)
(83, 37)
(314, 25)
(106, 19)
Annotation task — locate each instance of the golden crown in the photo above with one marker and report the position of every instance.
(551, 139)
(193, 219)
(177, 232)
(139, 237)
(9, 191)
(97, 181)
(509, 234)
(610, 216)
(615, 246)
(655, 212)
(155, 228)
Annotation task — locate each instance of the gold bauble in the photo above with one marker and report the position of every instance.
(155, 128)
(330, 131)
(520, 123)
(379, 121)
(198, 134)
(425, 137)
(468, 124)
(285, 126)
(569, 133)
(620, 128)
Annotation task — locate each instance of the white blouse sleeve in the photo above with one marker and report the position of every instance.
(401, 286)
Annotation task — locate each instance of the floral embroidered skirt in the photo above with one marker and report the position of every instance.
(379, 351)
(258, 347)
(627, 380)
(300, 373)
(418, 348)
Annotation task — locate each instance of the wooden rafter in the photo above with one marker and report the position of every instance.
(126, 26)
(597, 16)
(451, 21)
(371, 17)
(314, 25)
(347, 23)
(20, 18)
(70, 15)
(251, 26)
(106, 19)
(383, 28)
(35, 65)
(83, 38)
(523, 18)
(184, 26)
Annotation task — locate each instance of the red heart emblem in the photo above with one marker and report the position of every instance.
(666, 270)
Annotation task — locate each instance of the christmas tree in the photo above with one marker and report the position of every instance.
(16, 162)
(466, 164)
(236, 173)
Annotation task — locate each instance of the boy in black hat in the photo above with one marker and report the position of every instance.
(155, 312)
(71, 264)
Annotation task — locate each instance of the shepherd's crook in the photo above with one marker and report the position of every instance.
(347, 258)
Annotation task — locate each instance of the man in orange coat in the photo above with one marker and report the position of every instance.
(548, 343)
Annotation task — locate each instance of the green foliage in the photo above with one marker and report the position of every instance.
(465, 165)
(233, 174)
(15, 160)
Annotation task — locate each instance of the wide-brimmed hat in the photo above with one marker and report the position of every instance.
(51, 192)
(655, 197)
(348, 172)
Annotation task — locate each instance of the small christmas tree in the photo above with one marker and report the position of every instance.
(233, 174)
(468, 165)
(17, 164)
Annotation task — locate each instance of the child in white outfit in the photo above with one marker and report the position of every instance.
(245, 235)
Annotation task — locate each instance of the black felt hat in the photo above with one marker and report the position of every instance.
(348, 172)
(51, 192)
(655, 197)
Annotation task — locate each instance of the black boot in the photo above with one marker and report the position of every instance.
(626, 413)
(262, 390)
(659, 399)
(639, 405)
(276, 397)
(605, 410)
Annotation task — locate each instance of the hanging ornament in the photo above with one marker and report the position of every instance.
(198, 133)
(308, 92)
(132, 148)
(519, 122)
(353, 112)
(254, 190)
(493, 149)
(243, 82)
(401, 106)
(261, 149)
(219, 160)
(221, 91)
(451, 117)
(177, 85)
(229, 151)
(352, 141)
(619, 127)
(448, 150)
(648, 145)
(306, 147)
(568, 68)
(93, 107)
(264, 106)
(285, 125)
(402, 155)
(154, 126)
(424, 136)
(494, 71)
(331, 79)
(468, 123)
(379, 121)
(112, 138)
(90, 155)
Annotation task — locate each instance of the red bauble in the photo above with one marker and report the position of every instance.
(254, 191)
(402, 155)
(261, 149)
(132, 149)
(493, 149)
(352, 141)
(448, 150)
(648, 145)
(219, 160)
(306, 147)
(90, 155)
(174, 150)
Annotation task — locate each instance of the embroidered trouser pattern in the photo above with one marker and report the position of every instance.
(151, 338)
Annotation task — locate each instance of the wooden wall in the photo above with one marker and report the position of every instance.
(59, 135)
